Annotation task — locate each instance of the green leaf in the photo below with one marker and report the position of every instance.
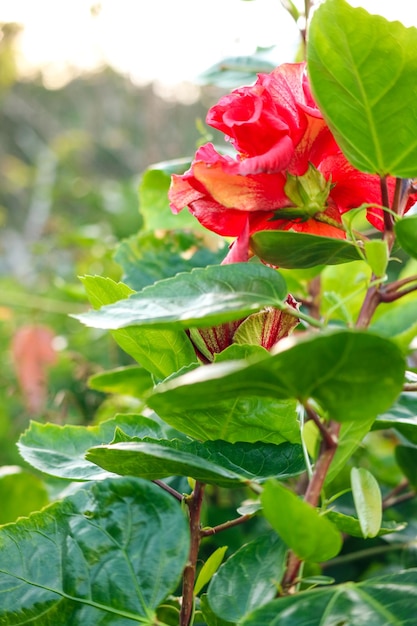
(311, 536)
(406, 457)
(248, 579)
(292, 250)
(109, 554)
(235, 71)
(350, 438)
(398, 322)
(351, 525)
(378, 602)
(153, 197)
(377, 255)
(203, 297)
(211, 618)
(406, 232)
(147, 257)
(209, 568)
(368, 501)
(20, 493)
(361, 67)
(402, 416)
(131, 380)
(160, 351)
(323, 367)
(217, 462)
(60, 450)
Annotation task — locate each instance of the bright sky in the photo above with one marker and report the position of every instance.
(165, 40)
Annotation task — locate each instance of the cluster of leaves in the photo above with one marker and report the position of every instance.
(328, 414)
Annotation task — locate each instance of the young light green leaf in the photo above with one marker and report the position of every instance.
(209, 568)
(377, 255)
(131, 380)
(351, 525)
(110, 553)
(160, 351)
(406, 232)
(293, 250)
(360, 68)
(368, 501)
(20, 493)
(216, 462)
(248, 579)
(201, 298)
(60, 450)
(378, 601)
(310, 535)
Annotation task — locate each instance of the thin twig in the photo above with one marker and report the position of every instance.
(207, 532)
(169, 489)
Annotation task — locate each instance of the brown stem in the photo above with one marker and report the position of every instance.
(177, 495)
(369, 305)
(194, 503)
(312, 495)
(207, 532)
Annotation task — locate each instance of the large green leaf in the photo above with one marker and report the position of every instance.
(352, 375)
(218, 462)
(388, 600)
(293, 250)
(107, 555)
(60, 450)
(361, 67)
(398, 322)
(406, 231)
(160, 351)
(351, 525)
(203, 297)
(310, 535)
(249, 578)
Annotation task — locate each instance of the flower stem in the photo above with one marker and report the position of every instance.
(194, 503)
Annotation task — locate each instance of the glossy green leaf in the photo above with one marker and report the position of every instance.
(388, 600)
(60, 450)
(209, 568)
(160, 351)
(406, 457)
(203, 297)
(218, 462)
(109, 554)
(210, 618)
(21, 493)
(406, 232)
(402, 416)
(311, 536)
(249, 578)
(324, 367)
(131, 380)
(368, 500)
(361, 67)
(293, 250)
(351, 525)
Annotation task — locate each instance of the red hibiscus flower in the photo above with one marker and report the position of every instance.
(286, 160)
